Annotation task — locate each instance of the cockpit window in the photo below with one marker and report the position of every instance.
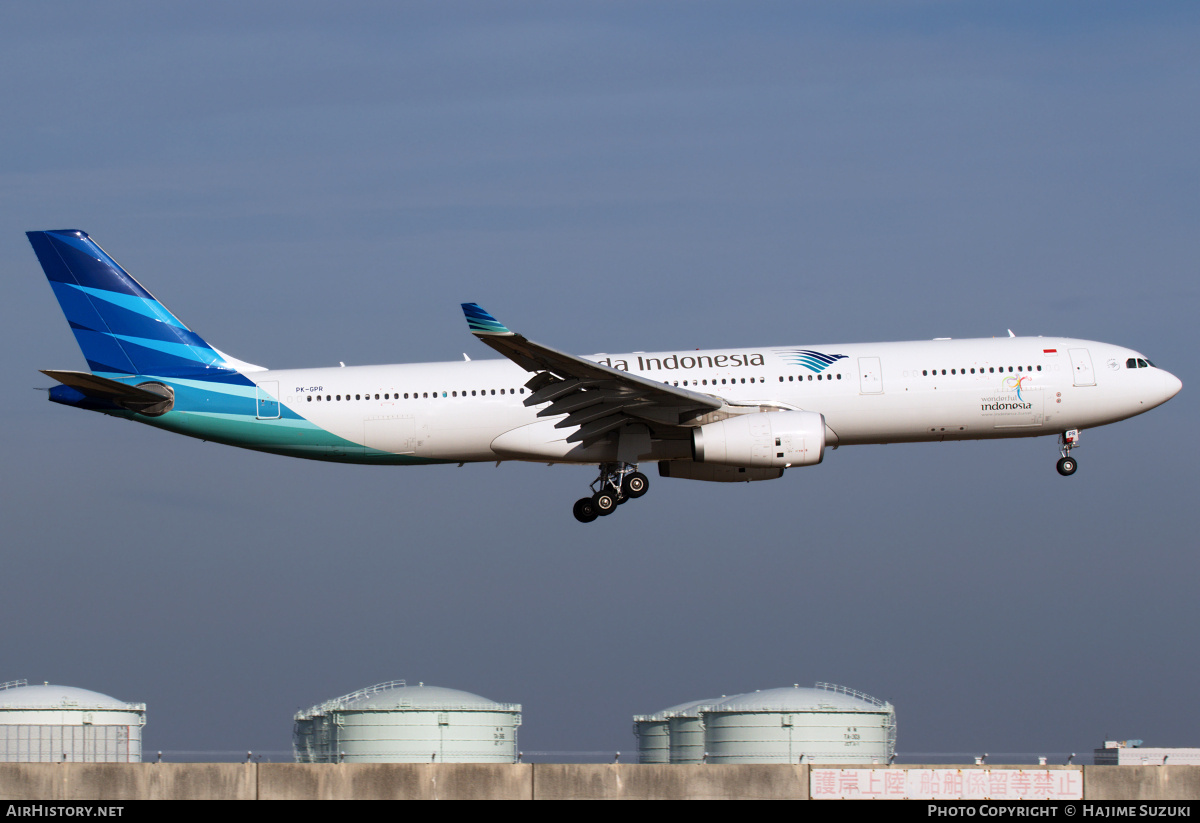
(1138, 363)
(1131, 363)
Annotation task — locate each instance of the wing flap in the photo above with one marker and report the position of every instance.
(577, 401)
(559, 388)
(594, 431)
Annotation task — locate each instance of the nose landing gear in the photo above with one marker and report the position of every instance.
(617, 483)
(1066, 441)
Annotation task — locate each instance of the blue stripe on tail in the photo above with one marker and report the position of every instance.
(121, 328)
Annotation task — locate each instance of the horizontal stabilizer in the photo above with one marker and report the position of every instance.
(133, 398)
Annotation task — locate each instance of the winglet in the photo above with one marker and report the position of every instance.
(482, 323)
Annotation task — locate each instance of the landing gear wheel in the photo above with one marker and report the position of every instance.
(605, 503)
(617, 484)
(585, 510)
(1067, 466)
(636, 484)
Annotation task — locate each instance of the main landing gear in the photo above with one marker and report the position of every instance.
(617, 483)
(1067, 441)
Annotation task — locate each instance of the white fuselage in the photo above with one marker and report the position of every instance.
(868, 393)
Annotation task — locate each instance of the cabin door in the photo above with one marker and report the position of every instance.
(1081, 367)
(268, 400)
(870, 375)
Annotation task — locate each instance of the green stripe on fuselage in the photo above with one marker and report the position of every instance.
(287, 436)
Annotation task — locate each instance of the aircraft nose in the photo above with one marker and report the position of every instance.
(1171, 385)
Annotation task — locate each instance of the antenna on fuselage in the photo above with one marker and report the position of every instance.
(1010, 334)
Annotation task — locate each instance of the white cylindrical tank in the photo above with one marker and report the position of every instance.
(653, 731)
(302, 738)
(825, 724)
(51, 724)
(396, 723)
(312, 736)
(686, 730)
(653, 739)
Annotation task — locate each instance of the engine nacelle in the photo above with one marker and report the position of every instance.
(762, 440)
(691, 470)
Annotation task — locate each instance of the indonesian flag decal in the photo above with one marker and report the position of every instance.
(1049, 352)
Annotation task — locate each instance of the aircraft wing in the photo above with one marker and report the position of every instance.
(595, 398)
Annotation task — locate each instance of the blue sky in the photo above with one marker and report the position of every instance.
(308, 183)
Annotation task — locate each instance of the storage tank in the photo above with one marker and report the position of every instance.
(824, 724)
(653, 731)
(686, 730)
(396, 723)
(51, 724)
(312, 735)
(303, 749)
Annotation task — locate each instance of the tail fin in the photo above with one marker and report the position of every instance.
(121, 328)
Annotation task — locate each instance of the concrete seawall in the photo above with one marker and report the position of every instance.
(527, 781)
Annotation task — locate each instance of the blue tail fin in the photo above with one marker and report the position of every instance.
(121, 328)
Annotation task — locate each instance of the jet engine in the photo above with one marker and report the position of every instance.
(762, 440)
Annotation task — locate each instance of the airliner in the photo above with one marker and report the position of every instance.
(721, 415)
